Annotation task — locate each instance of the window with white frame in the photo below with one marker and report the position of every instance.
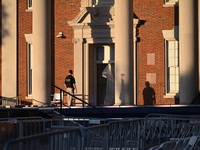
(105, 54)
(29, 67)
(29, 5)
(172, 64)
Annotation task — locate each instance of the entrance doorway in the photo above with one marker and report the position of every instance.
(104, 56)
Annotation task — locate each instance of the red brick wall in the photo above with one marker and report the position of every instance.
(24, 27)
(64, 11)
(156, 18)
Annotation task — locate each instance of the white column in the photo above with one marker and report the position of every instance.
(9, 48)
(188, 47)
(123, 52)
(41, 52)
(78, 65)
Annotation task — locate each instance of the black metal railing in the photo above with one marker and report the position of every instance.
(62, 92)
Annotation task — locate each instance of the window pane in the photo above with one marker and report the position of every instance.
(171, 53)
(171, 62)
(112, 53)
(29, 3)
(100, 53)
(173, 69)
(103, 1)
(29, 64)
(176, 53)
(171, 45)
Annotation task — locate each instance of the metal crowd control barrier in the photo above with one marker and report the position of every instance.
(65, 121)
(93, 137)
(192, 143)
(135, 134)
(160, 128)
(56, 140)
(118, 133)
(125, 134)
(12, 128)
(80, 121)
(96, 137)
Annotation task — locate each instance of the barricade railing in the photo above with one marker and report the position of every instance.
(118, 134)
(96, 137)
(65, 121)
(12, 128)
(192, 143)
(138, 134)
(160, 128)
(80, 121)
(93, 137)
(125, 134)
(56, 140)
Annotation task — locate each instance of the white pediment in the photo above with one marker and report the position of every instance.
(94, 15)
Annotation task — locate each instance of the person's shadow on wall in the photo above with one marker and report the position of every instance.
(149, 94)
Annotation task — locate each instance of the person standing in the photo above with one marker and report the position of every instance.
(70, 85)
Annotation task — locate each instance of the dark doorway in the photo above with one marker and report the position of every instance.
(101, 84)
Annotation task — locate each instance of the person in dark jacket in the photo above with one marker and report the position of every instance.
(70, 85)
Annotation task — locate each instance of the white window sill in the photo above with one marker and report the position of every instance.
(30, 9)
(170, 4)
(29, 97)
(171, 95)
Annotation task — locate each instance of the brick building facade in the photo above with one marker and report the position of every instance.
(88, 45)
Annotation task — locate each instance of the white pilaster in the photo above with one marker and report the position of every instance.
(123, 52)
(78, 64)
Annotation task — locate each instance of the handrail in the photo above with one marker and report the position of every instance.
(8, 99)
(61, 101)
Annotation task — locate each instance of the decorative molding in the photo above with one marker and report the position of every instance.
(104, 14)
(170, 3)
(29, 38)
(100, 15)
(171, 34)
(86, 3)
(78, 40)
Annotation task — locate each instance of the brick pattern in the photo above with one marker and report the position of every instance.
(63, 48)
(156, 18)
(24, 27)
